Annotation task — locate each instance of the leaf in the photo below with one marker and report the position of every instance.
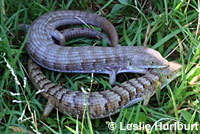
(51, 121)
(116, 8)
(166, 38)
(19, 129)
(126, 38)
(186, 115)
(137, 116)
(71, 130)
(124, 2)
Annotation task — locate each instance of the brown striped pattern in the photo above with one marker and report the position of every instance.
(100, 104)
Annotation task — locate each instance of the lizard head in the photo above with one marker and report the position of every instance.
(169, 73)
(146, 58)
(161, 77)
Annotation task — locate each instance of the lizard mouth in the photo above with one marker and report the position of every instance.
(138, 70)
(147, 67)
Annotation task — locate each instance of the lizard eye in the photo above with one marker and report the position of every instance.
(168, 77)
(152, 62)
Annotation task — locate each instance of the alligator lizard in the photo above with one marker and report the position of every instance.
(103, 103)
(87, 59)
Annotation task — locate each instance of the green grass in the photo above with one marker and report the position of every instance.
(174, 32)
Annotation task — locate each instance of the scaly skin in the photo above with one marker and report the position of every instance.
(84, 32)
(76, 32)
(103, 103)
(88, 59)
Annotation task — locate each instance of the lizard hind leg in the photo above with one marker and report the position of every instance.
(146, 98)
(132, 102)
(48, 108)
